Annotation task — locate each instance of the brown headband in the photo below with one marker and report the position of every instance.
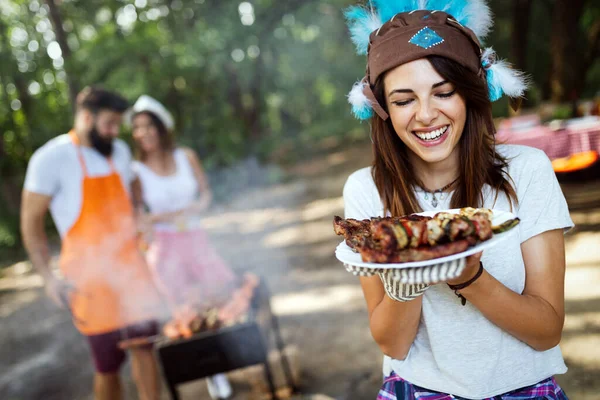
(410, 36)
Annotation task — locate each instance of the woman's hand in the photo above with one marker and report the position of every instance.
(204, 188)
(471, 268)
(401, 291)
(145, 229)
(144, 222)
(169, 217)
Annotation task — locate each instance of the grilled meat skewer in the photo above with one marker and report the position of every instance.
(415, 254)
(415, 237)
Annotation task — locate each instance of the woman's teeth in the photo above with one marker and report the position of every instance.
(433, 135)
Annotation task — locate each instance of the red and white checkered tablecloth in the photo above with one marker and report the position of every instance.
(556, 144)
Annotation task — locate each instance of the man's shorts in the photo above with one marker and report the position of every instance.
(108, 357)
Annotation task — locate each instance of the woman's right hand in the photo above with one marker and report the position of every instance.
(468, 271)
(401, 291)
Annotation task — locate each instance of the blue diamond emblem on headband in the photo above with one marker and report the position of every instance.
(426, 38)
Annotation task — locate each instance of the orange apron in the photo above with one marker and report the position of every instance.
(100, 257)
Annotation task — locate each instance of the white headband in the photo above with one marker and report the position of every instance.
(146, 103)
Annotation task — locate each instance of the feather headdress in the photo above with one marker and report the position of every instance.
(471, 16)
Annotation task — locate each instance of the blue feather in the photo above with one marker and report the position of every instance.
(453, 7)
(388, 8)
(362, 113)
(458, 9)
(474, 14)
(494, 87)
(361, 23)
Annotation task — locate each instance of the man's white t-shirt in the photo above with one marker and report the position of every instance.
(456, 349)
(54, 170)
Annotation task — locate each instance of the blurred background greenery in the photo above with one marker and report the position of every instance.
(259, 80)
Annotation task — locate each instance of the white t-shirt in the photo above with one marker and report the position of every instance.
(54, 170)
(164, 194)
(456, 349)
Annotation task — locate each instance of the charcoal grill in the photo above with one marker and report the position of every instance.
(226, 349)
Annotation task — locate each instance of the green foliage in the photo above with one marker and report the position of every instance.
(263, 79)
(562, 112)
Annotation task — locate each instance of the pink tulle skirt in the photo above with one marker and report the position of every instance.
(186, 267)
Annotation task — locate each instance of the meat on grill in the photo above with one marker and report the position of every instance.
(190, 319)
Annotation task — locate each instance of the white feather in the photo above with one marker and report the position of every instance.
(362, 22)
(356, 97)
(478, 18)
(474, 14)
(488, 53)
(374, 22)
(512, 81)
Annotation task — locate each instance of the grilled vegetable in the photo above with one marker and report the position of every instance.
(506, 226)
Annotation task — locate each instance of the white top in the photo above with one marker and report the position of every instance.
(54, 170)
(164, 194)
(456, 349)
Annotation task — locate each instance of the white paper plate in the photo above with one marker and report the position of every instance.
(347, 256)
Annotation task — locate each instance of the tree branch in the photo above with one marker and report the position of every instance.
(61, 38)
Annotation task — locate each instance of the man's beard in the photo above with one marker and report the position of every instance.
(104, 146)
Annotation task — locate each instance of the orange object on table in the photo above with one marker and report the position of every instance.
(575, 162)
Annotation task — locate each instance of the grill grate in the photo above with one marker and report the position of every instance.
(226, 349)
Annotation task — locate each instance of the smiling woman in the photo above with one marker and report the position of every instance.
(440, 132)
(428, 93)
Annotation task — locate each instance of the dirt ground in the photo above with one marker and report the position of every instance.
(284, 233)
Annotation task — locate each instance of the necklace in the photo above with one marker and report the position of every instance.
(434, 199)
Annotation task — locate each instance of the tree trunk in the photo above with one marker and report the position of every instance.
(257, 98)
(249, 115)
(590, 54)
(567, 44)
(24, 97)
(520, 32)
(173, 99)
(61, 38)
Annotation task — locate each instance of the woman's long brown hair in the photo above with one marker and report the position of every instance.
(480, 163)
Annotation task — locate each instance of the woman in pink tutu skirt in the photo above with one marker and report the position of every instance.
(175, 190)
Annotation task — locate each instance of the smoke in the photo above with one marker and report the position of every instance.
(242, 177)
(259, 222)
(110, 284)
(187, 269)
(252, 201)
(195, 265)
